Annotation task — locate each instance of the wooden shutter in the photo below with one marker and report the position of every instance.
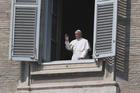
(105, 21)
(25, 23)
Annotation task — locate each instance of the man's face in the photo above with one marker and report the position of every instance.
(77, 35)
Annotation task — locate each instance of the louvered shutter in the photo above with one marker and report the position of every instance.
(105, 28)
(25, 23)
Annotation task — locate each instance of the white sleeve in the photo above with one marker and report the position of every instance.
(68, 45)
(85, 51)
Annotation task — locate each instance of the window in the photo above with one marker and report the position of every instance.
(30, 40)
(67, 16)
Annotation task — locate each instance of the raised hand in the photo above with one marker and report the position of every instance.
(66, 37)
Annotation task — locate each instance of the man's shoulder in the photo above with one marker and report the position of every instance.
(73, 41)
(83, 39)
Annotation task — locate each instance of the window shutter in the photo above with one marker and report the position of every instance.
(105, 21)
(25, 27)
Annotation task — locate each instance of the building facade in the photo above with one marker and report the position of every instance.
(100, 76)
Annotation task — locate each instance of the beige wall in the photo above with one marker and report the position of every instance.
(128, 46)
(9, 71)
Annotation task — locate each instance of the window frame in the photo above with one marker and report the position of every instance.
(48, 56)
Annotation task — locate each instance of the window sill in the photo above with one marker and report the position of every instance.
(62, 85)
(65, 67)
(69, 62)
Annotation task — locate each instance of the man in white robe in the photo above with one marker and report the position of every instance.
(79, 46)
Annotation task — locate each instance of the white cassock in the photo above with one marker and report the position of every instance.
(79, 47)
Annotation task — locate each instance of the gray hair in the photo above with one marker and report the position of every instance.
(79, 31)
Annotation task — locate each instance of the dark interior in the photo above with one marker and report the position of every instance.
(77, 14)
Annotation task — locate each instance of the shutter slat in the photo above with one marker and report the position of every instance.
(21, 29)
(105, 28)
(26, 1)
(23, 40)
(23, 48)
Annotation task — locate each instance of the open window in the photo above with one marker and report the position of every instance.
(77, 14)
(68, 16)
(96, 18)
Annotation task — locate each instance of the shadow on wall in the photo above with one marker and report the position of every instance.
(123, 39)
(24, 72)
